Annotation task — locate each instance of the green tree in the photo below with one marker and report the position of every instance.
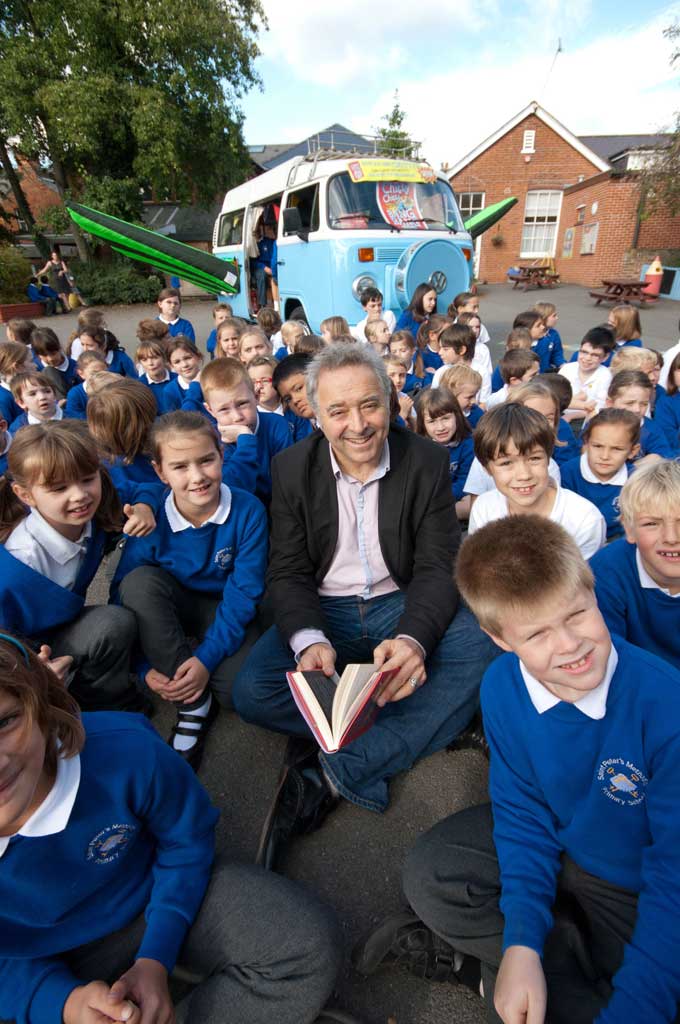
(394, 140)
(660, 181)
(131, 90)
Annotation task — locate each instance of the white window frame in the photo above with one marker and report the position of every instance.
(478, 239)
(529, 141)
(550, 252)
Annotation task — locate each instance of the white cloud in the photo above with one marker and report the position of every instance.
(616, 84)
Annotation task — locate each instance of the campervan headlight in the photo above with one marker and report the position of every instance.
(361, 283)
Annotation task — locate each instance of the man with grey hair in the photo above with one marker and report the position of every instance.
(364, 536)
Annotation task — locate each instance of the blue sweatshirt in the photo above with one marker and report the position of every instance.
(211, 343)
(644, 616)
(299, 428)
(603, 496)
(139, 840)
(181, 327)
(139, 471)
(571, 447)
(227, 558)
(158, 388)
(549, 351)
(122, 364)
(69, 374)
(9, 410)
(76, 403)
(460, 460)
(654, 442)
(607, 792)
(273, 435)
(667, 418)
(474, 416)
(431, 360)
(171, 397)
(281, 353)
(497, 381)
(407, 322)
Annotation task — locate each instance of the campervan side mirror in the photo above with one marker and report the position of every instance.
(292, 223)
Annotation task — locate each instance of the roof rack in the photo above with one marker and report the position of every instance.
(338, 142)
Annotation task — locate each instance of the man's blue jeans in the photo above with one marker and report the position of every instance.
(405, 730)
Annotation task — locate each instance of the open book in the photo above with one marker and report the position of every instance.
(337, 708)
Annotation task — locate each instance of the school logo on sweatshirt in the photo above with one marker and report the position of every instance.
(223, 557)
(108, 844)
(623, 782)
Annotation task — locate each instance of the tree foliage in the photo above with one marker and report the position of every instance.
(394, 140)
(660, 181)
(135, 91)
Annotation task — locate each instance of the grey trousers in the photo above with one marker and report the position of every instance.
(167, 614)
(261, 949)
(452, 882)
(100, 642)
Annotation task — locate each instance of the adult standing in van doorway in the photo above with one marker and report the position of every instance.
(364, 536)
(264, 264)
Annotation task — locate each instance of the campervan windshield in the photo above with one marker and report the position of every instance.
(390, 205)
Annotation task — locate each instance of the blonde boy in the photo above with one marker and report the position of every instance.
(562, 892)
(464, 382)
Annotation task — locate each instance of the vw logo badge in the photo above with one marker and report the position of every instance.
(438, 281)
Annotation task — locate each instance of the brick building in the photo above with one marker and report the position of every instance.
(578, 200)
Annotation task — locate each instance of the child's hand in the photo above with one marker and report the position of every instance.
(140, 520)
(60, 666)
(61, 403)
(230, 433)
(92, 1004)
(158, 682)
(189, 681)
(146, 983)
(405, 406)
(521, 994)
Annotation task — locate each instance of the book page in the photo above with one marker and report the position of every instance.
(317, 692)
(353, 682)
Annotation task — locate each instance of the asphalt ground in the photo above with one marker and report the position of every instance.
(354, 861)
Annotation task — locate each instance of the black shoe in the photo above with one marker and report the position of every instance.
(335, 1017)
(302, 803)
(472, 738)
(404, 941)
(194, 755)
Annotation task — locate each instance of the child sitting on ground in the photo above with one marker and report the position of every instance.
(439, 417)
(310, 344)
(228, 337)
(427, 340)
(291, 333)
(120, 417)
(403, 346)
(372, 302)
(421, 308)
(519, 337)
(269, 321)
(517, 367)
(229, 398)
(332, 328)
(588, 376)
(568, 447)
(169, 306)
(101, 340)
(185, 361)
(199, 574)
(637, 580)
(108, 828)
(59, 370)
(457, 344)
(20, 331)
(514, 445)
(261, 370)
(35, 395)
(378, 335)
(58, 508)
(88, 364)
(610, 440)
(464, 383)
(549, 348)
(289, 382)
(562, 889)
(667, 414)
(624, 320)
(220, 313)
(630, 389)
(14, 358)
(153, 359)
(396, 371)
(253, 342)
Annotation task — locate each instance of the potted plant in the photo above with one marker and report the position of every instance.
(497, 239)
(14, 277)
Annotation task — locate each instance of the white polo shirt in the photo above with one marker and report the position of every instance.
(595, 387)
(577, 515)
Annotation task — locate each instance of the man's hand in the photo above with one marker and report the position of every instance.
(317, 658)
(405, 658)
(189, 681)
(146, 983)
(140, 520)
(61, 666)
(92, 1004)
(521, 993)
(232, 432)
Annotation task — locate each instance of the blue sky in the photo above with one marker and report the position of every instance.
(462, 69)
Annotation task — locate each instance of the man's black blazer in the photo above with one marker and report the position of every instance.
(418, 528)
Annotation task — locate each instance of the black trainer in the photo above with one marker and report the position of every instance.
(194, 755)
(404, 941)
(472, 737)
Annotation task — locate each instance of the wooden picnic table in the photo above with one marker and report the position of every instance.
(538, 276)
(623, 289)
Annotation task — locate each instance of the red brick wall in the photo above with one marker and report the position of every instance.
(660, 231)
(502, 171)
(38, 195)
(617, 202)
